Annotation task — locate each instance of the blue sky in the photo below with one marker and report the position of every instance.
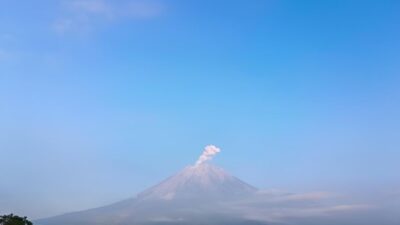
(101, 99)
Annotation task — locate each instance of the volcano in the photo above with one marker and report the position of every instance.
(203, 181)
(204, 194)
(195, 195)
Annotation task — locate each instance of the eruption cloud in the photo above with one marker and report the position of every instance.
(208, 153)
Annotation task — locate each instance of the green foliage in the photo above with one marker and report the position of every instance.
(14, 220)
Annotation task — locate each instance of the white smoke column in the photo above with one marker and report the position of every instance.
(208, 153)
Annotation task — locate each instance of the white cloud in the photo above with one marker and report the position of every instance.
(90, 6)
(305, 197)
(286, 213)
(347, 208)
(166, 219)
(144, 9)
(78, 15)
(279, 206)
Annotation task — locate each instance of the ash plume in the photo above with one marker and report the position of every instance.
(208, 153)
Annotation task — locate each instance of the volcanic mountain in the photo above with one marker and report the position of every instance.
(204, 194)
(204, 181)
(195, 195)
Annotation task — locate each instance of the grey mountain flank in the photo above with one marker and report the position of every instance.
(204, 180)
(194, 194)
(206, 194)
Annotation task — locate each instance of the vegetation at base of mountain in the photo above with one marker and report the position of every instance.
(12, 219)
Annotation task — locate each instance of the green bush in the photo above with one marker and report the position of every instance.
(14, 220)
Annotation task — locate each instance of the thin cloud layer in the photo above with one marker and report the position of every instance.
(90, 6)
(78, 15)
(281, 207)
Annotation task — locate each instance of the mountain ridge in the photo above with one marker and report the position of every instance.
(190, 196)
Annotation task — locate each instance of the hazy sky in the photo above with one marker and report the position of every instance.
(101, 99)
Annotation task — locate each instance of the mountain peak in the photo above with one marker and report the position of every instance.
(199, 181)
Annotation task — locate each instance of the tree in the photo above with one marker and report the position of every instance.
(14, 220)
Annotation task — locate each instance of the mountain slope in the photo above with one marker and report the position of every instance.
(200, 181)
(204, 194)
(192, 196)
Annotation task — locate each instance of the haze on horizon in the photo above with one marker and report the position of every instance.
(102, 99)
